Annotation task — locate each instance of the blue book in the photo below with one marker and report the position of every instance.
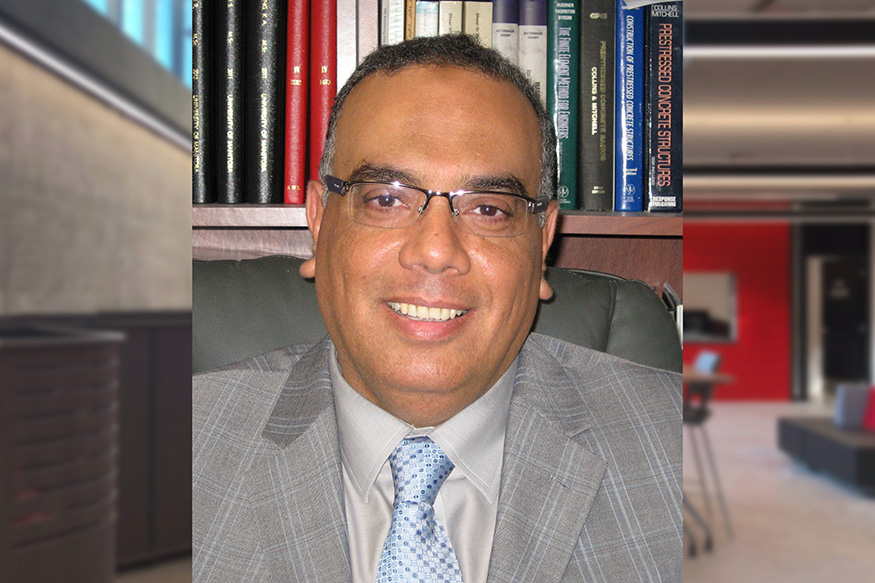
(629, 118)
(663, 111)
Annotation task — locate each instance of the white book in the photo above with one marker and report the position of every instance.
(392, 22)
(506, 40)
(533, 56)
(347, 57)
(427, 18)
(477, 19)
(450, 16)
(368, 19)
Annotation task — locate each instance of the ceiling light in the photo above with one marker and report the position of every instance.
(780, 52)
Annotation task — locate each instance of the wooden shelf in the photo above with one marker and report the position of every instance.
(621, 224)
(215, 216)
(252, 216)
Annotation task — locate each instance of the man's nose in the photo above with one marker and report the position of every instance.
(434, 243)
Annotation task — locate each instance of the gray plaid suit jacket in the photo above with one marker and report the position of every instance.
(590, 485)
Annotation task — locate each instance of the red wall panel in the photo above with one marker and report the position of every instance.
(759, 256)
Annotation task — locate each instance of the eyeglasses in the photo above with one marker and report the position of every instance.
(392, 205)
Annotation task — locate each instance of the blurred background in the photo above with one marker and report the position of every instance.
(779, 172)
(95, 235)
(95, 150)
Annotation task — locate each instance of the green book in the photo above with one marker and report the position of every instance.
(563, 86)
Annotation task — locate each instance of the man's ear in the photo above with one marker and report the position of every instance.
(314, 209)
(548, 231)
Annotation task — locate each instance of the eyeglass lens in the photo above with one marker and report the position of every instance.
(481, 213)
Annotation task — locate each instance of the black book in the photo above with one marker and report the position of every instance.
(596, 117)
(265, 100)
(229, 100)
(664, 107)
(202, 159)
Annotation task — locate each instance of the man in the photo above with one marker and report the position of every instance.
(431, 438)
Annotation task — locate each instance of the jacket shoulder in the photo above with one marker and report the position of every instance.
(593, 374)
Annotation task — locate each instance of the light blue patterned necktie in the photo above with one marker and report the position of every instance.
(417, 548)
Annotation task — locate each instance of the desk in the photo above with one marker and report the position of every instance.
(698, 386)
(694, 376)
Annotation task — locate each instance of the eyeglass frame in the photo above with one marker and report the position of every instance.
(341, 187)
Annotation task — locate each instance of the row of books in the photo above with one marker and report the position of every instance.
(264, 75)
(610, 75)
(614, 89)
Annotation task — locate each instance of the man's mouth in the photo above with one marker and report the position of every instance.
(424, 313)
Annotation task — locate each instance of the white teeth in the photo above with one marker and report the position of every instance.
(424, 313)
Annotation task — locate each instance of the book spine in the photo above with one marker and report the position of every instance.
(505, 29)
(427, 18)
(391, 22)
(295, 149)
(449, 16)
(477, 21)
(264, 99)
(629, 120)
(563, 40)
(664, 109)
(597, 44)
(368, 29)
(202, 158)
(229, 87)
(347, 56)
(323, 76)
(409, 19)
(533, 44)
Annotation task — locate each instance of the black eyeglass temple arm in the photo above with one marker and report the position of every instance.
(335, 185)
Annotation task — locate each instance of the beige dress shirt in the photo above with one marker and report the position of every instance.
(466, 504)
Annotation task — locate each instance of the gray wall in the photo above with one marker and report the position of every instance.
(95, 210)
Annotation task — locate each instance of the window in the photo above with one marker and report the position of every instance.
(161, 27)
(709, 307)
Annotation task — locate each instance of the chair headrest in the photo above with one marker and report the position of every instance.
(243, 308)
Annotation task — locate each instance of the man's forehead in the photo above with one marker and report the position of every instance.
(434, 120)
(438, 77)
(435, 92)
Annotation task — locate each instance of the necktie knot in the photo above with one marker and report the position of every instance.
(419, 468)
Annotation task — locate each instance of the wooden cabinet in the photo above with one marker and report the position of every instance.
(153, 506)
(645, 246)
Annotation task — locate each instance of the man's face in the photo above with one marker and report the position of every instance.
(441, 129)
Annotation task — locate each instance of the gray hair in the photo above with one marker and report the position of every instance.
(450, 50)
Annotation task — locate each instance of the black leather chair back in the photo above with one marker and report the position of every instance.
(243, 308)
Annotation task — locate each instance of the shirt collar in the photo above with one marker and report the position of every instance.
(473, 439)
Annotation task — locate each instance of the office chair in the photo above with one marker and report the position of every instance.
(696, 412)
(243, 308)
(693, 547)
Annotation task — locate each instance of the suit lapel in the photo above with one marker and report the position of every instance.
(298, 492)
(548, 479)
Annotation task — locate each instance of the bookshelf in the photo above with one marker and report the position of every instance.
(644, 246)
(634, 245)
(292, 216)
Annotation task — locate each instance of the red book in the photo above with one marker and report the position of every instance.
(297, 37)
(869, 417)
(323, 75)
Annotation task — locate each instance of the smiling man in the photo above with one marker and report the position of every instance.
(430, 437)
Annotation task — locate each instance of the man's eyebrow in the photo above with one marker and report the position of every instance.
(509, 183)
(380, 174)
(377, 173)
